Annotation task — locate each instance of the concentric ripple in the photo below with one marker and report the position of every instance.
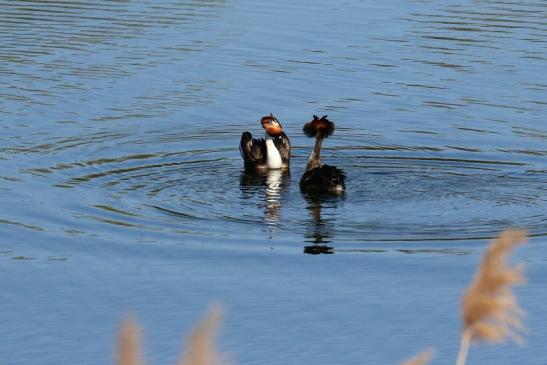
(395, 193)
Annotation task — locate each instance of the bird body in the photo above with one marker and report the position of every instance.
(320, 178)
(271, 152)
(325, 178)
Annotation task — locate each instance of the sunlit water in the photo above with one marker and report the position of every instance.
(119, 167)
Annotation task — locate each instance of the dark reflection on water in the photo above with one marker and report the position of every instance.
(320, 231)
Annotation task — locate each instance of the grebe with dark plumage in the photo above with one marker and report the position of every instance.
(321, 178)
(271, 152)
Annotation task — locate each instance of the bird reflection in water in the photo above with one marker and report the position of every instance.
(321, 231)
(269, 184)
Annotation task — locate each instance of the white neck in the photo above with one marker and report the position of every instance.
(274, 158)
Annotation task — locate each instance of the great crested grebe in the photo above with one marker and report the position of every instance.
(321, 178)
(273, 152)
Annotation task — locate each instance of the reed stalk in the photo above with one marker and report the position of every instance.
(464, 347)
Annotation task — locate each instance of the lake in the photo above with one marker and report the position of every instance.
(123, 188)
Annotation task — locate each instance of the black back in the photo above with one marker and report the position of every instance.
(325, 178)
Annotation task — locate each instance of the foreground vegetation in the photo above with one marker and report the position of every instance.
(490, 313)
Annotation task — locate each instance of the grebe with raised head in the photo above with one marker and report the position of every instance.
(271, 152)
(321, 178)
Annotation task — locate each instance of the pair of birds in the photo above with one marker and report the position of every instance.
(274, 152)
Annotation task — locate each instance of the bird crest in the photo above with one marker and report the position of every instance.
(319, 127)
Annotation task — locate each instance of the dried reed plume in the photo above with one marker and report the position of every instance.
(129, 343)
(200, 349)
(421, 359)
(490, 311)
(201, 343)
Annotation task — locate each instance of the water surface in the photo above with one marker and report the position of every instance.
(120, 122)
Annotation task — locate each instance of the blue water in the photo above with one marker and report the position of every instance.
(122, 187)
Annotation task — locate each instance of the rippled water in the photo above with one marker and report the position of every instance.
(120, 122)
(128, 115)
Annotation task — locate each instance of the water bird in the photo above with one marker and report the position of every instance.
(271, 152)
(321, 178)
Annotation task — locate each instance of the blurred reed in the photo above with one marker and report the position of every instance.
(490, 311)
(421, 359)
(200, 349)
(129, 343)
(201, 343)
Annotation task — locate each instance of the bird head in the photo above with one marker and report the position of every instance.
(271, 125)
(319, 127)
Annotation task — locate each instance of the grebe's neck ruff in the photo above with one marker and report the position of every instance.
(273, 156)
